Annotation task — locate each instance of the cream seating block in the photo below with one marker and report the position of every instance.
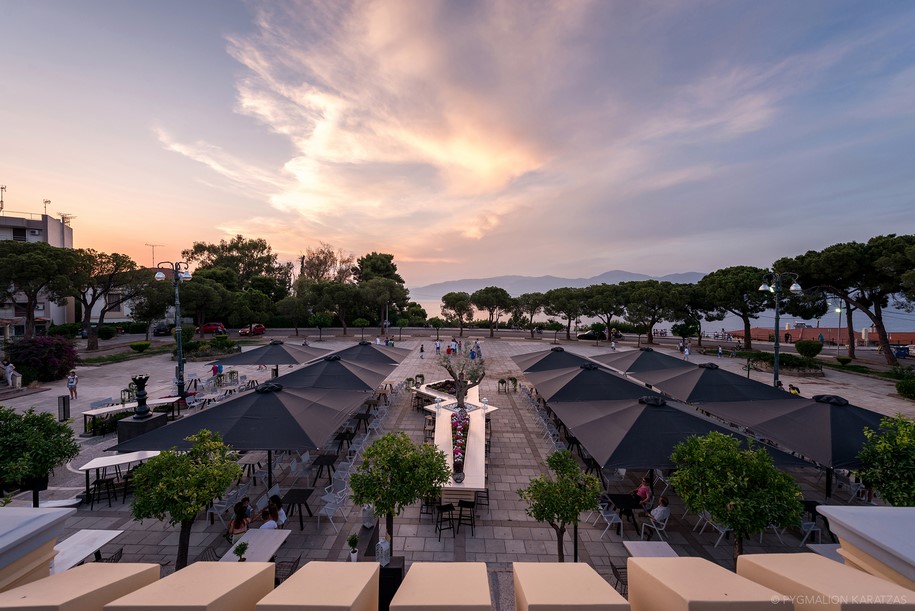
(815, 582)
(203, 586)
(84, 588)
(327, 586)
(695, 584)
(557, 586)
(444, 586)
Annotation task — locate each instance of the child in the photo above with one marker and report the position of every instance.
(422, 350)
(72, 381)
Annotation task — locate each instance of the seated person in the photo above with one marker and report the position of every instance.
(238, 525)
(269, 520)
(643, 492)
(277, 502)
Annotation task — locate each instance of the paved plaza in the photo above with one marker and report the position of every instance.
(503, 534)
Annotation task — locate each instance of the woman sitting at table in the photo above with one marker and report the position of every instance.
(277, 503)
(644, 493)
(269, 516)
(238, 525)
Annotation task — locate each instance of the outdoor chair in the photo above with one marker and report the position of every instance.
(658, 527)
(445, 519)
(807, 528)
(208, 555)
(778, 533)
(467, 520)
(622, 578)
(95, 494)
(285, 569)
(115, 557)
(721, 529)
(611, 518)
(328, 512)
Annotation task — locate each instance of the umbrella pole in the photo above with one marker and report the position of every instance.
(575, 542)
(828, 483)
(269, 469)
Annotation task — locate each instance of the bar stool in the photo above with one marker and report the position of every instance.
(429, 429)
(128, 483)
(428, 506)
(470, 519)
(445, 519)
(106, 483)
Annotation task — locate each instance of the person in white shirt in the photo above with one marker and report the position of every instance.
(269, 520)
(277, 503)
(660, 513)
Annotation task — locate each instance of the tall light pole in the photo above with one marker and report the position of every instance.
(180, 274)
(772, 283)
(839, 327)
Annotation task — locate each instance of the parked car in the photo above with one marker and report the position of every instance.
(212, 327)
(592, 335)
(162, 328)
(255, 329)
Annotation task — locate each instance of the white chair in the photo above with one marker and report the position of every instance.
(778, 533)
(658, 527)
(720, 528)
(611, 518)
(329, 510)
(807, 528)
(332, 492)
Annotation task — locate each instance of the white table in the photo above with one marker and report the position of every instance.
(74, 550)
(649, 549)
(123, 407)
(104, 462)
(263, 544)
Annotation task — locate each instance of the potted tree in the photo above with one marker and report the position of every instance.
(353, 542)
(31, 446)
(240, 550)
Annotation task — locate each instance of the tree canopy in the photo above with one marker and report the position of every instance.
(559, 500)
(249, 257)
(888, 459)
(395, 473)
(175, 486)
(494, 301)
(566, 302)
(456, 305)
(34, 270)
(648, 302)
(104, 281)
(735, 290)
(739, 488)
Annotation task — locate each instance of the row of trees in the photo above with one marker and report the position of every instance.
(867, 277)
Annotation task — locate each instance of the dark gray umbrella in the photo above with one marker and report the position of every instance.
(276, 352)
(641, 434)
(586, 382)
(707, 383)
(270, 418)
(335, 372)
(545, 360)
(367, 352)
(643, 359)
(826, 429)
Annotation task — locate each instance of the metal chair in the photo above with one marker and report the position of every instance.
(468, 520)
(286, 568)
(622, 578)
(612, 519)
(208, 555)
(115, 557)
(658, 527)
(445, 519)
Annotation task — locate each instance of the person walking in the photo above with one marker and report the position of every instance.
(72, 381)
(438, 347)
(8, 370)
(720, 353)
(422, 351)
(685, 353)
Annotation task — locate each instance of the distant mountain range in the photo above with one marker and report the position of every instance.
(518, 285)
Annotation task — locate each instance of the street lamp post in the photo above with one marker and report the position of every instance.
(180, 274)
(839, 327)
(772, 283)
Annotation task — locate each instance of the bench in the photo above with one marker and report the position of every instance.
(92, 414)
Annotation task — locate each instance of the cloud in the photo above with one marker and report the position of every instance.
(458, 133)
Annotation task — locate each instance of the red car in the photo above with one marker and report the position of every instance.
(255, 329)
(212, 327)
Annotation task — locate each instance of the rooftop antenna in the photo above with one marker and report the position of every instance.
(2, 191)
(66, 217)
(46, 202)
(153, 246)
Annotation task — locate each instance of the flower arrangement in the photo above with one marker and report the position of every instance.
(460, 426)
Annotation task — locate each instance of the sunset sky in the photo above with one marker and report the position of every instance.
(469, 139)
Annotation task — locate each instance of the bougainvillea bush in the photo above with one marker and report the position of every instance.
(42, 358)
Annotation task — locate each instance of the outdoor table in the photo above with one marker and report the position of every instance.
(295, 498)
(322, 462)
(342, 437)
(362, 419)
(92, 414)
(104, 462)
(649, 549)
(250, 462)
(74, 549)
(263, 543)
(625, 504)
(371, 404)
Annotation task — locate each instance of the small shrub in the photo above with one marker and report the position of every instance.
(137, 327)
(106, 332)
(808, 348)
(222, 342)
(906, 388)
(140, 346)
(843, 360)
(42, 358)
(902, 372)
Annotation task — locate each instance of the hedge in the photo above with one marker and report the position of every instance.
(140, 346)
(906, 388)
(808, 348)
(42, 358)
(106, 332)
